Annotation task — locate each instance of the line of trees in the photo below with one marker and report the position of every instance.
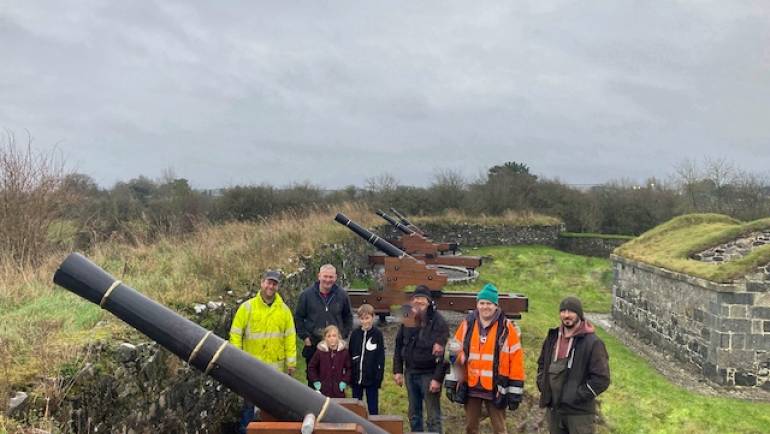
(41, 203)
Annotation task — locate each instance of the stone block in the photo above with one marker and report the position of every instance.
(699, 315)
(738, 341)
(745, 379)
(711, 320)
(739, 311)
(766, 326)
(724, 340)
(715, 308)
(760, 342)
(735, 325)
(757, 286)
(705, 333)
(757, 326)
(760, 312)
(735, 298)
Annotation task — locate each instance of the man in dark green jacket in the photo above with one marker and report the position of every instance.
(572, 370)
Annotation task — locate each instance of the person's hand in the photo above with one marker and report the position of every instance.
(308, 342)
(435, 386)
(343, 385)
(317, 385)
(438, 349)
(290, 370)
(399, 379)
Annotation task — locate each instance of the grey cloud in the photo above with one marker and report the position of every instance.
(334, 93)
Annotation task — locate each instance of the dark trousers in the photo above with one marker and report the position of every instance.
(372, 397)
(307, 354)
(418, 390)
(247, 415)
(569, 423)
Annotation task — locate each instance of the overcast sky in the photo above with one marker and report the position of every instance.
(248, 92)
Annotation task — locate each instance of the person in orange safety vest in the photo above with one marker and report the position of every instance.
(492, 362)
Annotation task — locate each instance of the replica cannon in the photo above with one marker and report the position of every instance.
(284, 398)
(403, 270)
(424, 249)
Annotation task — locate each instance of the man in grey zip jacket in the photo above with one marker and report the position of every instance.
(572, 370)
(321, 305)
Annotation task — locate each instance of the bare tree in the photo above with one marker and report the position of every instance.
(32, 197)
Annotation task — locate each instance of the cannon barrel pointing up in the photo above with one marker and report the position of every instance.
(407, 223)
(271, 390)
(401, 227)
(376, 241)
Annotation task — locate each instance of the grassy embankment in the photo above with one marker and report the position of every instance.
(640, 399)
(671, 244)
(43, 327)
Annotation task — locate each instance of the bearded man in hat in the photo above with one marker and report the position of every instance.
(492, 362)
(420, 349)
(572, 371)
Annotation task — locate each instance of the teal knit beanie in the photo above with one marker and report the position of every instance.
(489, 293)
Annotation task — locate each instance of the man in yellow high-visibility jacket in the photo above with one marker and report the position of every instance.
(264, 327)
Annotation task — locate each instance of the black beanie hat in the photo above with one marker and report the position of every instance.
(573, 304)
(422, 291)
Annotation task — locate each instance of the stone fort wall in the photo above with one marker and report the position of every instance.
(722, 329)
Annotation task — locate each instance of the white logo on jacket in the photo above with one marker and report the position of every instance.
(370, 346)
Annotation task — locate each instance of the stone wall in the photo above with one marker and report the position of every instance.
(135, 386)
(722, 329)
(475, 235)
(597, 246)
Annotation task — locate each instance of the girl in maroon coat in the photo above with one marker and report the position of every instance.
(329, 369)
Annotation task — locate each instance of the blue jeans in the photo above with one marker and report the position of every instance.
(418, 390)
(247, 415)
(372, 397)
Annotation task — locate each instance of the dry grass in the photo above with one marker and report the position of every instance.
(509, 218)
(671, 244)
(42, 326)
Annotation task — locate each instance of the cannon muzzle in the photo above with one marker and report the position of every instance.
(375, 240)
(401, 227)
(407, 223)
(271, 390)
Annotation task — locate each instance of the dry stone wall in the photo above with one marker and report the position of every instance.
(597, 246)
(722, 329)
(476, 235)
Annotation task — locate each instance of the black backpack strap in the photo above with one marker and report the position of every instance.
(500, 338)
(470, 322)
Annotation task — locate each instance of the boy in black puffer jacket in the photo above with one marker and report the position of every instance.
(367, 351)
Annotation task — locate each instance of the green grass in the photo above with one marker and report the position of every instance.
(640, 400)
(671, 244)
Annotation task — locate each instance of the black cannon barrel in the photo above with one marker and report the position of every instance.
(394, 222)
(375, 240)
(407, 223)
(271, 390)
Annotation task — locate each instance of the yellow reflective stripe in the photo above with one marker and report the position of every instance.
(486, 373)
(474, 356)
(488, 357)
(236, 330)
(291, 360)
